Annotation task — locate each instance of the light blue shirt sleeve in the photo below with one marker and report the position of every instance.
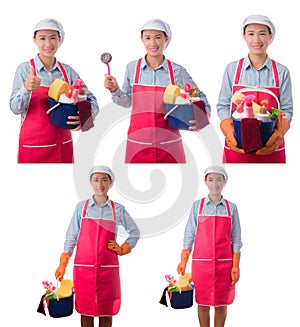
(159, 76)
(105, 211)
(252, 77)
(20, 96)
(211, 209)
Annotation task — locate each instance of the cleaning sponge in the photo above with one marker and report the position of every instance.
(57, 88)
(170, 94)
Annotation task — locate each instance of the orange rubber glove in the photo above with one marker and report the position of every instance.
(276, 138)
(123, 249)
(184, 259)
(227, 128)
(60, 271)
(235, 270)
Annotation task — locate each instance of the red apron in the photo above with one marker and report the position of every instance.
(40, 141)
(278, 156)
(96, 268)
(150, 139)
(212, 259)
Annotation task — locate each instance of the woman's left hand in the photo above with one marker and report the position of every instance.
(74, 120)
(235, 275)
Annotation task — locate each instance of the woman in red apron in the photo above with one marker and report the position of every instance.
(96, 266)
(39, 140)
(213, 231)
(150, 139)
(267, 80)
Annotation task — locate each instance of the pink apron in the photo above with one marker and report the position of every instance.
(150, 139)
(212, 259)
(278, 156)
(96, 268)
(40, 141)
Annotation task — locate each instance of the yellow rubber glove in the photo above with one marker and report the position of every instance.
(184, 259)
(227, 128)
(123, 249)
(276, 138)
(60, 271)
(235, 270)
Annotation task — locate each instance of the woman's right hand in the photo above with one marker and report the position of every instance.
(110, 83)
(181, 268)
(33, 82)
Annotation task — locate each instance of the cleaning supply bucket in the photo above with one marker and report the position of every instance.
(181, 300)
(61, 307)
(59, 113)
(179, 115)
(266, 130)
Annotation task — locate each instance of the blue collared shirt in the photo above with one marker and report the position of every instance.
(210, 209)
(20, 96)
(262, 77)
(105, 212)
(149, 76)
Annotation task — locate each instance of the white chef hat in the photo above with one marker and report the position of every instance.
(104, 170)
(215, 170)
(50, 24)
(259, 19)
(159, 25)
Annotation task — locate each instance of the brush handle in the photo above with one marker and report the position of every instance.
(108, 69)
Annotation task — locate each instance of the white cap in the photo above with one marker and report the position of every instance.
(159, 25)
(259, 19)
(104, 170)
(50, 24)
(215, 170)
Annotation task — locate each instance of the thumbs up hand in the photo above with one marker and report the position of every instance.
(33, 82)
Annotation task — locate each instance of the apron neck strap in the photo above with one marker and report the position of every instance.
(113, 210)
(202, 205)
(138, 71)
(61, 67)
(113, 207)
(32, 64)
(239, 67)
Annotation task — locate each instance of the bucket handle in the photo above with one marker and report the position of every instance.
(180, 283)
(168, 113)
(57, 298)
(53, 107)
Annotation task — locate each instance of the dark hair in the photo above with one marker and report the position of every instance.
(158, 30)
(262, 24)
(34, 34)
(103, 173)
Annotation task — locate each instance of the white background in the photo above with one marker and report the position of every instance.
(38, 200)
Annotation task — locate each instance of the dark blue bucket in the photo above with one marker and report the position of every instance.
(59, 114)
(62, 307)
(178, 116)
(266, 130)
(181, 300)
(181, 115)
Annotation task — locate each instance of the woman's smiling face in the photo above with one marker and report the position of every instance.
(154, 42)
(47, 42)
(257, 37)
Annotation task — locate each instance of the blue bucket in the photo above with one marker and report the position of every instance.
(59, 114)
(179, 115)
(266, 130)
(181, 300)
(63, 307)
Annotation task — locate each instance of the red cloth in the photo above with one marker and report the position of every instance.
(250, 134)
(85, 115)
